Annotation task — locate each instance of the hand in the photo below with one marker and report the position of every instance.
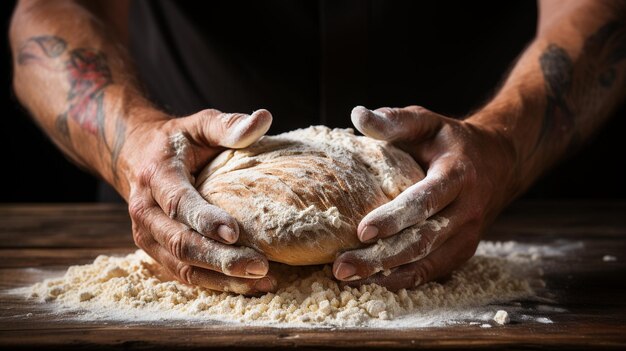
(171, 221)
(435, 225)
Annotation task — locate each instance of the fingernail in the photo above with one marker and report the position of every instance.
(369, 232)
(345, 270)
(256, 268)
(227, 233)
(264, 285)
(359, 110)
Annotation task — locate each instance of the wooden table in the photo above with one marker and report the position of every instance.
(592, 291)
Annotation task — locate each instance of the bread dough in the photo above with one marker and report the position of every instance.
(299, 196)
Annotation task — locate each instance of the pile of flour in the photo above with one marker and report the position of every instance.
(130, 288)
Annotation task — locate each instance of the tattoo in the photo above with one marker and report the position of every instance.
(51, 46)
(573, 88)
(89, 75)
(557, 70)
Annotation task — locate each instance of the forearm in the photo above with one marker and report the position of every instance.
(72, 74)
(564, 87)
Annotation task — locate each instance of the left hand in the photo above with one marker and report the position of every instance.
(435, 225)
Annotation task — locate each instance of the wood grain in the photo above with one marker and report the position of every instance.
(37, 241)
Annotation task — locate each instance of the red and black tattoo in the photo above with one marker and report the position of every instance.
(89, 75)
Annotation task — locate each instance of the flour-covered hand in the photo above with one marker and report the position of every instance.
(435, 225)
(171, 221)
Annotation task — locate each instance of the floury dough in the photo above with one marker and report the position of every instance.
(299, 196)
(130, 288)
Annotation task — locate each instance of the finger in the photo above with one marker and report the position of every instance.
(397, 124)
(192, 275)
(191, 248)
(414, 205)
(172, 190)
(409, 245)
(231, 130)
(438, 264)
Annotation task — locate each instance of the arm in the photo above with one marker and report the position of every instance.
(563, 88)
(73, 74)
(74, 79)
(565, 85)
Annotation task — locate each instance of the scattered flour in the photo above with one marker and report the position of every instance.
(501, 317)
(178, 145)
(130, 288)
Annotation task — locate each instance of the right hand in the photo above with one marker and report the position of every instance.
(170, 220)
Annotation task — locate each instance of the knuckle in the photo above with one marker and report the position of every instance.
(139, 237)
(422, 271)
(421, 203)
(173, 198)
(146, 173)
(416, 109)
(424, 246)
(184, 272)
(468, 172)
(137, 209)
(387, 111)
(176, 246)
(230, 119)
(209, 112)
(425, 204)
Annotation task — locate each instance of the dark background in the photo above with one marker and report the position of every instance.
(33, 170)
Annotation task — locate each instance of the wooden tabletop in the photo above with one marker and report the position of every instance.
(590, 293)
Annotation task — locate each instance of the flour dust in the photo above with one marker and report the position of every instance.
(130, 289)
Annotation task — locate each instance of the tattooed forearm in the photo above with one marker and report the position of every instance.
(557, 68)
(574, 88)
(88, 75)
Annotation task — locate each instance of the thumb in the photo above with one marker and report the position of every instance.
(231, 130)
(396, 124)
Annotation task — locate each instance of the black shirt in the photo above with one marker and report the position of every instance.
(311, 62)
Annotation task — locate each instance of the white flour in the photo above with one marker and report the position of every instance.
(405, 240)
(294, 221)
(129, 288)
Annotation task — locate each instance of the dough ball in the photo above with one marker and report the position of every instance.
(299, 196)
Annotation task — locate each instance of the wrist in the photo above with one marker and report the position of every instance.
(130, 139)
(503, 142)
